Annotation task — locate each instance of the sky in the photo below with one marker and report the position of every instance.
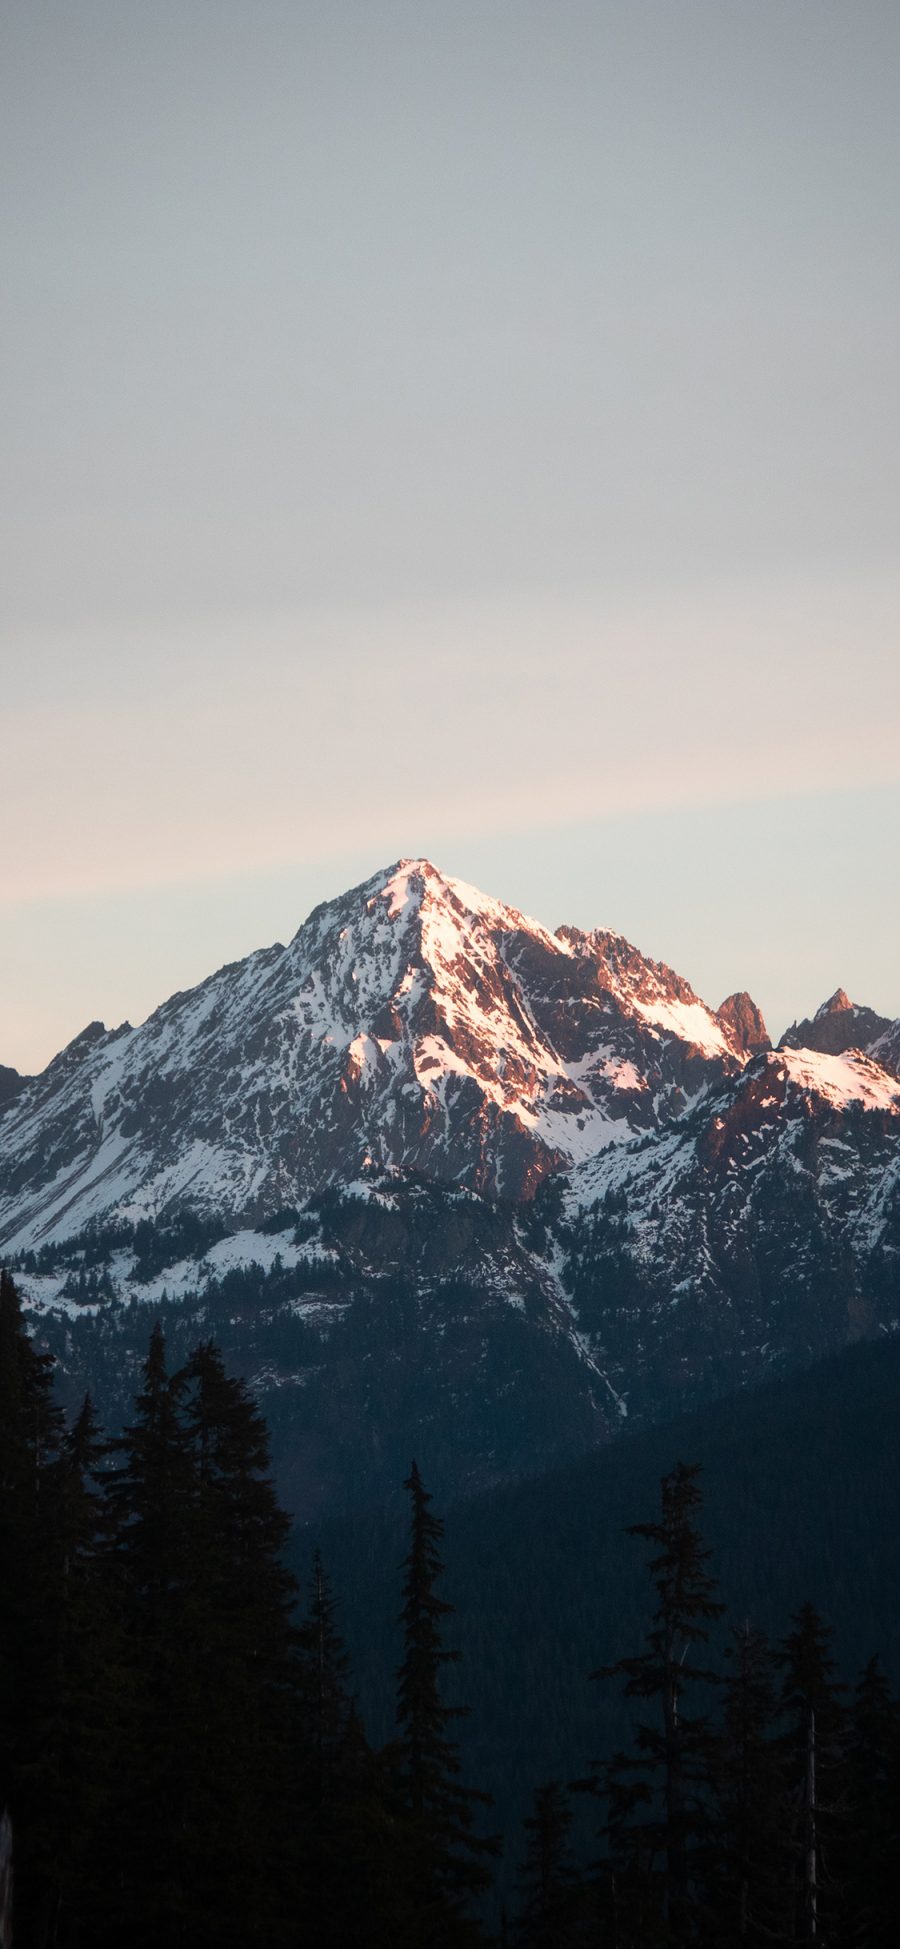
(459, 428)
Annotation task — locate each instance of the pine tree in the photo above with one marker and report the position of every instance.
(446, 1857)
(347, 1891)
(30, 1433)
(243, 1682)
(553, 1911)
(326, 1706)
(750, 1874)
(151, 1503)
(813, 1749)
(151, 1496)
(76, 1775)
(871, 1845)
(629, 1886)
(203, 1827)
(674, 1752)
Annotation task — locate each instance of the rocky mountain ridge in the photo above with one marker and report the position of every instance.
(763, 1229)
(840, 1025)
(443, 1182)
(412, 1022)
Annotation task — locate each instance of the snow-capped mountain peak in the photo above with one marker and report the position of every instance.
(375, 1100)
(413, 1022)
(837, 1004)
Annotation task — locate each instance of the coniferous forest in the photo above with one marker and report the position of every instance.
(184, 1761)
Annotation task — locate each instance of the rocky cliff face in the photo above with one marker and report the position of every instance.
(741, 1017)
(886, 1048)
(838, 1025)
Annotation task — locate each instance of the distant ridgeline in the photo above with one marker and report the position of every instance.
(182, 1758)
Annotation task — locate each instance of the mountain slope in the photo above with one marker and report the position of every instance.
(758, 1231)
(413, 1021)
(10, 1085)
(386, 1313)
(762, 1230)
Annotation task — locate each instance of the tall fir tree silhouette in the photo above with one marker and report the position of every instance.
(83, 1704)
(750, 1874)
(447, 1858)
(553, 1911)
(871, 1843)
(813, 1746)
(30, 1435)
(241, 1612)
(345, 1854)
(674, 1749)
(151, 1502)
(326, 1707)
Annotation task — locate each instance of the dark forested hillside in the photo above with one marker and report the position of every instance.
(648, 1650)
(801, 1483)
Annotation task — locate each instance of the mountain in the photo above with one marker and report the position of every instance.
(838, 1025)
(396, 1316)
(743, 1018)
(413, 1022)
(760, 1231)
(436, 1177)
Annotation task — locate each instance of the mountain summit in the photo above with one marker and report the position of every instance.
(839, 1024)
(741, 1016)
(412, 1022)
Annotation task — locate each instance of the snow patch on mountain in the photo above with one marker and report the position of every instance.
(690, 1022)
(844, 1079)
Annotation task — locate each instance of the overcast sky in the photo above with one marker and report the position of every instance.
(455, 426)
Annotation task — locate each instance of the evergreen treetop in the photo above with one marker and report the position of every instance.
(438, 1810)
